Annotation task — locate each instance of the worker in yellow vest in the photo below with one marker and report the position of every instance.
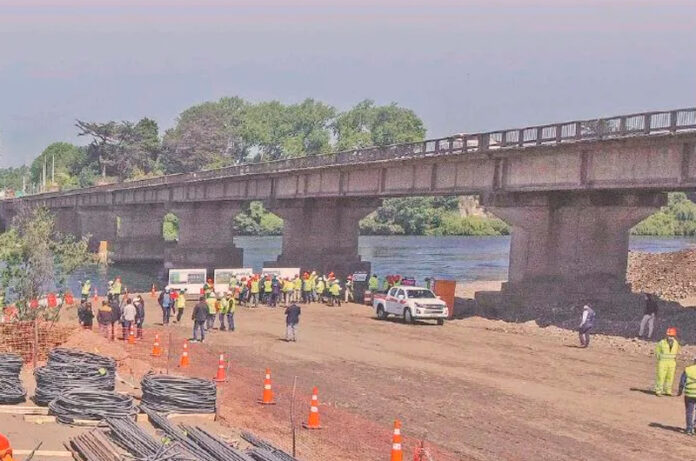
(288, 289)
(319, 288)
(86, 290)
(666, 353)
(267, 289)
(313, 285)
(254, 291)
(231, 309)
(223, 309)
(335, 291)
(297, 289)
(180, 304)
(212, 303)
(687, 386)
(117, 289)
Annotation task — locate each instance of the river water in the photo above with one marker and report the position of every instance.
(456, 258)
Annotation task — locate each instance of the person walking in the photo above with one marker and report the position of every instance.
(348, 292)
(666, 354)
(180, 305)
(292, 319)
(231, 309)
(139, 304)
(373, 284)
(586, 324)
(306, 289)
(128, 317)
(104, 319)
(648, 316)
(86, 315)
(199, 317)
(165, 302)
(687, 386)
(335, 292)
(275, 292)
(115, 314)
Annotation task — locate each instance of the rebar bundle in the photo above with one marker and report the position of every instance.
(173, 394)
(57, 378)
(176, 435)
(265, 449)
(73, 356)
(91, 405)
(215, 446)
(93, 446)
(129, 436)
(11, 389)
(10, 365)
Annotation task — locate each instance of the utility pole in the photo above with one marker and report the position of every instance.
(44, 176)
(53, 170)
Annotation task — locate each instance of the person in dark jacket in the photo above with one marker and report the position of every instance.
(104, 319)
(115, 314)
(85, 315)
(199, 316)
(649, 315)
(292, 319)
(275, 292)
(139, 304)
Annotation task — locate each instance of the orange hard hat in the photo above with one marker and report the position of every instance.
(671, 331)
(5, 448)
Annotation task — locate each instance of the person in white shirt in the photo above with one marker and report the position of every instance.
(586, 324)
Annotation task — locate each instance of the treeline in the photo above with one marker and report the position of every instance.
(232, 131)
(678, 218)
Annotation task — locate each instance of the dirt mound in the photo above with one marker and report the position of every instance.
(90, 341)
(673, 275)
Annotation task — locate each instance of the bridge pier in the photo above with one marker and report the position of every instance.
(322, 234)
(568, 247)
(98, 223)
(206, 239)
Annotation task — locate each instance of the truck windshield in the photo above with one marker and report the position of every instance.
(420, 294)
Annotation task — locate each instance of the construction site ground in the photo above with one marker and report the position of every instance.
(474, 388)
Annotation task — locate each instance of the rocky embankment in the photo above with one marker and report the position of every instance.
(672, 275)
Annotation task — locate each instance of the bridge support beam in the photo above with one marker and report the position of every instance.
(322, 234)
(99, 224)
(569, 246)
(139, 234)
(205, 237)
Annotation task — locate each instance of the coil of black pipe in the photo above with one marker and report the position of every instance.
(10, 365)
(91, 405)
(174, 394)
(11, 389)
(73, 356)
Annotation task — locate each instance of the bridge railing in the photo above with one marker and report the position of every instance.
(640, 124)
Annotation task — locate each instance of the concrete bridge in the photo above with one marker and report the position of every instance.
(571, 192)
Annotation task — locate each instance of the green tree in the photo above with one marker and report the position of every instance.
(368, 125)
(12, 178)
(69, 160)
(207, 135)
(256, 220)
(37, 259)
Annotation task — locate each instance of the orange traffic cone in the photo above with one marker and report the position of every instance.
(156, 349)
(396, 452)
(220, 377)
(153, 291)
(313, 422)
(184, 362)
(131, 336)
(267, 398)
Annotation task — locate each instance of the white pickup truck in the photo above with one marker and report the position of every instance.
(411, 304)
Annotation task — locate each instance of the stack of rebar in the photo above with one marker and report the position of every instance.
(176, 435)
(92, 446)
(215, 446)
(11, 389)
(129, 436)
(173, 394)
(264, 451)
(69, 370)
(91, 405)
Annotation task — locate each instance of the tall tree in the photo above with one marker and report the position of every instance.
(68, 159)
(207, 135)
(369, 125)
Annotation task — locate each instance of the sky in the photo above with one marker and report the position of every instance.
(462, 66)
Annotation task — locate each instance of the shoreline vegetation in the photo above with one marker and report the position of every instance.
(232, 131)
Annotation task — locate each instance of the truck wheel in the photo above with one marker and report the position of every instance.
(380, 313)
(408, 318)
(440, 322)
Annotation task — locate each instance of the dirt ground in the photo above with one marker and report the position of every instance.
(475, 388)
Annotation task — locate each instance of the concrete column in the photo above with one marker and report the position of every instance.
(67, 221)
(322, 234)
(98, 223)
(205, 236)
(139, 233)
(570, 245)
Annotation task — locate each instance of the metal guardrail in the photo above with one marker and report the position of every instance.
(641, 124)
